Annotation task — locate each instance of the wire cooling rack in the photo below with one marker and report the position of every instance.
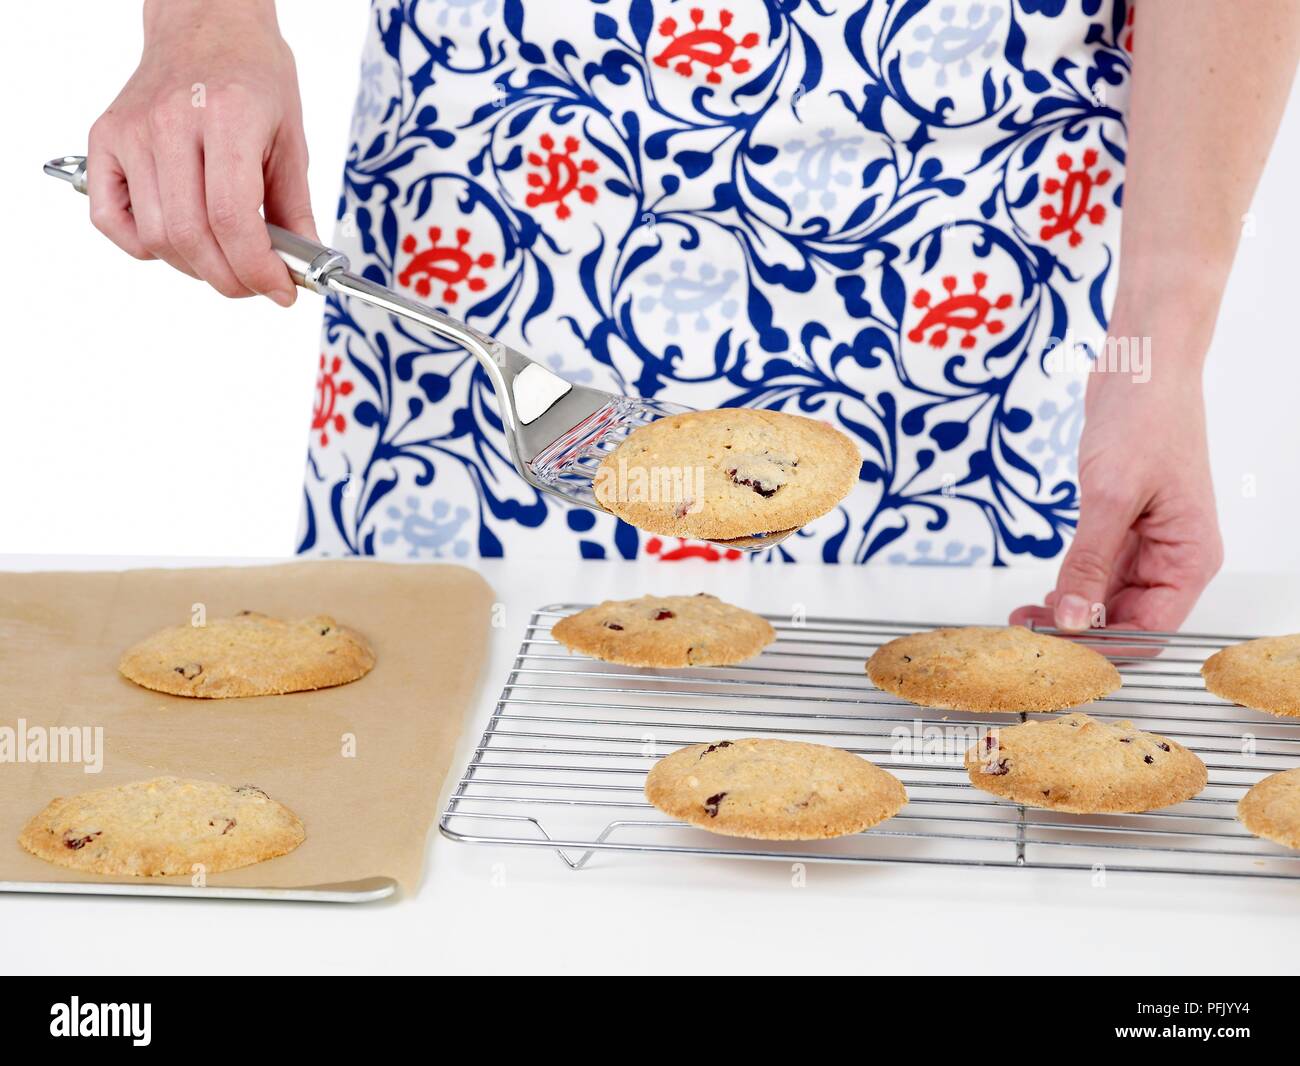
(564, 757)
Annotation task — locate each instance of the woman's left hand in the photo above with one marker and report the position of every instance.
(1147, 542)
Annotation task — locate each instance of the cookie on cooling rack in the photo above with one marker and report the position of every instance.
(250, 654)
(733, 474)
(773, 789)
(1077, 764)
(1271, 809)
(163, 827)
(1262, 674)
(991, 668)
(697, 630)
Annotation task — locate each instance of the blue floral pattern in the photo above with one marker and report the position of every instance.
(875, 212)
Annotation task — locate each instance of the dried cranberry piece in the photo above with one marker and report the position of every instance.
(613, 625)
(1163, 746)
(1148, 759)
(661, 614)
(77, 843)
(714, 747)
(750, 483)
(711, 804)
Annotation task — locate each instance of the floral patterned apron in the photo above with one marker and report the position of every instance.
(881, 214)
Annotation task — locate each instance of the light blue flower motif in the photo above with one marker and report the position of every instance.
(1059, 446)
(372, 97)
(423, 533)
(580, 375)
(468, 15)
(816, 168)
(955, 553)
(684, 295)
(954, 44)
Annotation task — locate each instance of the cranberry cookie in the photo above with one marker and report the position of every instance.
(1271, 809)
(732, 474)
(773, 789)
(249, 655)
(1261, 674)
(991, 668)
(1077, 764)
(163, 827)
(697, 630)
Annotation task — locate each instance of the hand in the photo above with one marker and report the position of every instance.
(1148, 540)
(208, 129)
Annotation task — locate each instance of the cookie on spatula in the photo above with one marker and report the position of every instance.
(728, 475)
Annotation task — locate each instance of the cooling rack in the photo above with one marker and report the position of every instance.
(563, 759)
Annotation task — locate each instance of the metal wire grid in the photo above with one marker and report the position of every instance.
(563, 760)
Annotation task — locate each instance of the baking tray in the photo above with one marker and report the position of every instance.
(364, 891)
(563, 760)
(62, 638)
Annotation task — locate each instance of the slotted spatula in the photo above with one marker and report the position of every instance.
(557, 432)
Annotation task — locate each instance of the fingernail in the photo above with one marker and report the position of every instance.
(1073, 612)
(284, 299)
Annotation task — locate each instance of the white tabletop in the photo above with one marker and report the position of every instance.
(486, 909)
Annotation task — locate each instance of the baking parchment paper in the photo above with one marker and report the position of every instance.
(361, 764)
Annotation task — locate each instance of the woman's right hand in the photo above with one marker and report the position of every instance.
(207, 131)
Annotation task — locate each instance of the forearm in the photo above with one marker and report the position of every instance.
(1210, 81)
(162, 17)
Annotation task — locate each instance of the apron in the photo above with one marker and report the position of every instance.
(884, 215)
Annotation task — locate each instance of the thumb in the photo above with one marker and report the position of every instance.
(1085, 573)
(288, 199)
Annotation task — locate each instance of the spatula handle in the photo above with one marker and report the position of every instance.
(310, 264)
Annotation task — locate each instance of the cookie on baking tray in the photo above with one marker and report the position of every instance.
(1077, 764)
(163, 827)
(250, 654)
(1271, 809)
(991, 668)
(773, 789)
(1262, 674)
(697, 630)
(731, 474)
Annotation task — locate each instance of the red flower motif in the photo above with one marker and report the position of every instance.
(1075, 203)
(560, 176)
(967, 312)
(712, 48)
(449, 265)
(329, 388)
(710, 553)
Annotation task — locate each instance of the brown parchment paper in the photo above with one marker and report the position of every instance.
(61, 635)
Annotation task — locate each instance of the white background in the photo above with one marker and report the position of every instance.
(141, 414)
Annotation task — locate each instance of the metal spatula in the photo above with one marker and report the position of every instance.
(557, 432)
